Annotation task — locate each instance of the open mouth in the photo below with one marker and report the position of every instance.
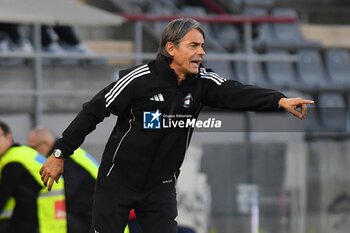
(196, 62)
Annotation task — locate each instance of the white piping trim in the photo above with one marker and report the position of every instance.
(123, 82)
(121, 89)
(213, 79)
(212, 76)
(116, 150)
(204, 71)
(187, 138)
(215, 75)
(124, 85)
(110, 170)
(120, 81)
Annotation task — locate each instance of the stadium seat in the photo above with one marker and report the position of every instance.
(337, 62)
(211, 41)
(214, 43)
(160, 9)
(281, 73)
(290, 32)
(227, 35)
(332, 112)
(311, 69)
(263, 34)
(223, 68)
(259, 74)
(312, 122)
(255, 11)
(250, 3)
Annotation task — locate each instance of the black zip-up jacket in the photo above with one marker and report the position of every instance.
(141, 158)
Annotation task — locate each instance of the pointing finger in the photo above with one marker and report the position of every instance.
(304, 101)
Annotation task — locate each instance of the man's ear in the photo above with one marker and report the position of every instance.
(170, 48)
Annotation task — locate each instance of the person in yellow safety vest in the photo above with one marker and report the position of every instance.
(80, 174)
(36, 209)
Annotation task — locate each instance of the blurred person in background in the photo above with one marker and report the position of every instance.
(13, 38)
(60, 39)
(80, 173)
(142, 159)
(32, 209)
(54, 39)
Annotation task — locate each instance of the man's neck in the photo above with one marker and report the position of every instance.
(180, 78)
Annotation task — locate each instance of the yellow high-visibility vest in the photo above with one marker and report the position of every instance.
(85, 160)
(126, 229)
(52, 215)
(7, 211)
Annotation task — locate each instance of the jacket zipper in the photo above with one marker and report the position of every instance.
(120, 142)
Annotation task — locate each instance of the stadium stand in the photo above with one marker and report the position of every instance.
(218, 40)
(321, 72)
(162, 8)
(263, 37)
(212, 42)
(264, 34)
(262, 3)
(242, 4)
(290, 33)
(329, 36)
(228, 36)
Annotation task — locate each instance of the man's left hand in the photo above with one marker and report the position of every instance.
(296, 106)
(51, 171)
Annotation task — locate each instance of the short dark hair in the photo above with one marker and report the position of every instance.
(5, 128)
(174, 32)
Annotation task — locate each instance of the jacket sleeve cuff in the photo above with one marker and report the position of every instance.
(66, 150)
(277, 99)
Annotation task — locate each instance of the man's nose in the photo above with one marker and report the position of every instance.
(201, 51)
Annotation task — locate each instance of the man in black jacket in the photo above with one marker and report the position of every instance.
(157, 105)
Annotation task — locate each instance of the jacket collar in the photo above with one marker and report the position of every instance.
(168, 74)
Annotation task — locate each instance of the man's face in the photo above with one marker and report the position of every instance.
(5, 141)
(188, 54)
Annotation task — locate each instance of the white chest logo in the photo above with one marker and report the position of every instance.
(158, 98)
(187, 101)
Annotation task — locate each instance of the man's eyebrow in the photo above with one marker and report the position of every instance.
(196, 43)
